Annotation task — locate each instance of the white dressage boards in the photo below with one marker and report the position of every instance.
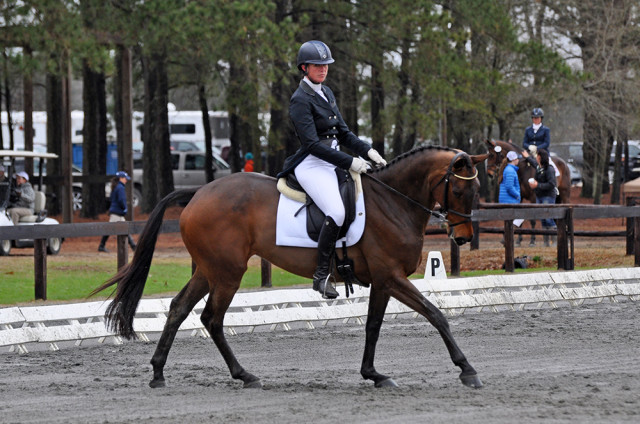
(287, 308)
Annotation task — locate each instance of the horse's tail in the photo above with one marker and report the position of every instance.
(132, 277)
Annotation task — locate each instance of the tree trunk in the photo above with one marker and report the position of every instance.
(282, 138)
(157, 179)
(206, 123)
(27, 95)
(117, 107)
(401, 106)
(94, 141)
(377, 105)
(54, 139)
(243, 117)
(7, 100)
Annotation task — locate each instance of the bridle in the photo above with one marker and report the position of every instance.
(444, 211)
(446, 177)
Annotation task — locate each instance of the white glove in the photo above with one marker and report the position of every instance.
(359, 165)
(375, 156)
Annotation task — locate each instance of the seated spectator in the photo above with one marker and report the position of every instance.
(22, 198)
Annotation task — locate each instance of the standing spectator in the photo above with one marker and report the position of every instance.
(118, 208)
(22, 198)
(248, 164)
(545, 186)
(509, 183)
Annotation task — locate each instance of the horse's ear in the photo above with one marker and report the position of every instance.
(490, 143)
(479, 158)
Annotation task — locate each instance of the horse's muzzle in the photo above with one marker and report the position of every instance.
(461, 240)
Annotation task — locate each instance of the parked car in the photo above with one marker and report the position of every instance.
(634, 160)
(9, 159)
(188, 171)
(187, 146)
(575, 173)
(570, 151)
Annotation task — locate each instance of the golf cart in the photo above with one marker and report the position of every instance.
(8, 159)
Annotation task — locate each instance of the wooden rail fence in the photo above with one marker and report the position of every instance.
(565, 215)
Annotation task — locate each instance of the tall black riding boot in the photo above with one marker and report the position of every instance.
(326, 246)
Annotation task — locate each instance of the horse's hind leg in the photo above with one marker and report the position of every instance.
(407, 293)
(212, 317)
(181, 306)
(377, 305)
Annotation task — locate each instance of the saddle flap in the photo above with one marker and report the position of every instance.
(315, 217)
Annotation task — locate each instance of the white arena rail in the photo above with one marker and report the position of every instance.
(286, 308)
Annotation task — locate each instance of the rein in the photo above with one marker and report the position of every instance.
(409, 199)
(445, 210)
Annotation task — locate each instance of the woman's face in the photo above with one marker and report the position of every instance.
(536, 120)
(317, 73)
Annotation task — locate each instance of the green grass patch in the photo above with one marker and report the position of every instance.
(74, 280)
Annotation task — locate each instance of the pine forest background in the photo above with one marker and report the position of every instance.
(407, 72)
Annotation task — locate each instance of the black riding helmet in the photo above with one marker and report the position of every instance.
(537, 113)
(315, 52)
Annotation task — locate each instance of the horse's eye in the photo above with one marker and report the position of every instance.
(458, 193)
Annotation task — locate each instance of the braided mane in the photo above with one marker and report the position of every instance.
(411, 153)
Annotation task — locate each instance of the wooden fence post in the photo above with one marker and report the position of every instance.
(571, 259)
(455, 258)
(562, 245)
(636, 241)
(265, 268)
(40, 268)
(509, 256)
(630, 239)
(122, 247)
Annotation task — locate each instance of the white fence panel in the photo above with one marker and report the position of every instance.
(280, 309)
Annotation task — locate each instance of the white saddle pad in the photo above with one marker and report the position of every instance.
(292, 230)
(555, 167)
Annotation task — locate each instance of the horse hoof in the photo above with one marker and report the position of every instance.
(154, 384)
(471, 381)
(255, 384)
(387, 383)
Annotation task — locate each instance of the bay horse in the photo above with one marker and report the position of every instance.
(233, 218)
(526, 171)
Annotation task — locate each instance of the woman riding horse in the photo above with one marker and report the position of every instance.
(321, 131)
(233, 218)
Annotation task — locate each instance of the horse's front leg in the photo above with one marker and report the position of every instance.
(181, 306)
(533, 236)
(403, 290)
(378, 301)
(213, 317)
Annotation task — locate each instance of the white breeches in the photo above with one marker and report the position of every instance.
(319, 180)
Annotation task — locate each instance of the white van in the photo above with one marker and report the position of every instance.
(186, 125)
